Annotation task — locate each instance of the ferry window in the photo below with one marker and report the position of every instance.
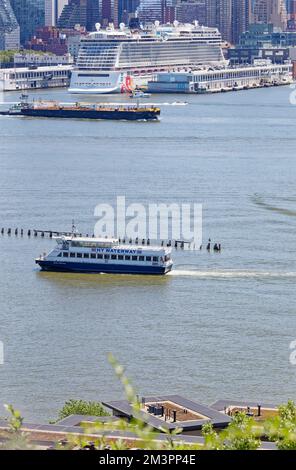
(99, 256)
(85, 255)
(141, 258)
(134, 258)
(113, 257)
(155, 258)
(79, 255)
(120, 257)
(148, 258)
(72, 255)
(107, 256)
(65, 254)
(93, 255)
(127, 258)
(60, 254)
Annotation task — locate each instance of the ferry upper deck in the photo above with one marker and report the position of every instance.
(107, 244)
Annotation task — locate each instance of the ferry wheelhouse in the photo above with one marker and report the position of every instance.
(105, 255)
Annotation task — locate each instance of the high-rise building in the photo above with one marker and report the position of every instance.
(163, 11)
(271, 11)
(109, 12)
(53, 10)
(61, 4)
(80, 12)
(262, 11)
(292, 16)
(231, 17)
(9, 28)
(241, 18)
(50, 12)
(126, 8)
(279, 15)
(190, 10)
(149, 11)
(30, 15)
(219, 15)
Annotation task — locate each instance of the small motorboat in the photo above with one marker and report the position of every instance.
(139, 94)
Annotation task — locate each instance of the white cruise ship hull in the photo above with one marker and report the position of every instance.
(111, 82)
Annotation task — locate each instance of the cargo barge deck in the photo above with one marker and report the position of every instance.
(84, 111)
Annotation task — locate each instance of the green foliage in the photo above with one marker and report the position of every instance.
(16, 439)
(211, 437)
(81, 407)
(16, 420)
(241, 434)
(288, 412)
(282, 428)
(7, 57)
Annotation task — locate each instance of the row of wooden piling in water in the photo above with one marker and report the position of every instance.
(50, 233)
(29, 232)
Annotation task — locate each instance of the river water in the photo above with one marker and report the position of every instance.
(220, 325)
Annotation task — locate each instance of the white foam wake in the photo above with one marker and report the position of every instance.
(175, 103)
(232, 274)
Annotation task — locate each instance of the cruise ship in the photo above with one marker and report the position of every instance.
(105, 255)
(119, 60)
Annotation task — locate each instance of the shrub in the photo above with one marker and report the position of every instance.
(81, 407)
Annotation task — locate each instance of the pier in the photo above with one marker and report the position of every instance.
(221, 79)
(30, 78)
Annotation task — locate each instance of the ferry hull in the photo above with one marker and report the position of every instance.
(92, 268)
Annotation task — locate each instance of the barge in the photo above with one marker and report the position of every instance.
(105, 255)
(54, 109)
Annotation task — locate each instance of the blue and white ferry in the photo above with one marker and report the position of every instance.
(105, 255)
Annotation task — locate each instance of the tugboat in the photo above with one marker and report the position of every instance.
(54, 109)
(105, 255)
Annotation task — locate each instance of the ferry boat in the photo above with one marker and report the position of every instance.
(54, 109)
(105, 255)
(119, 60)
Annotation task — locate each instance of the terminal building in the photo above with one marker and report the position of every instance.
(210, 80)
(29, 78)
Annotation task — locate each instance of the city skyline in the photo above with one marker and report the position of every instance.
(231, 17)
